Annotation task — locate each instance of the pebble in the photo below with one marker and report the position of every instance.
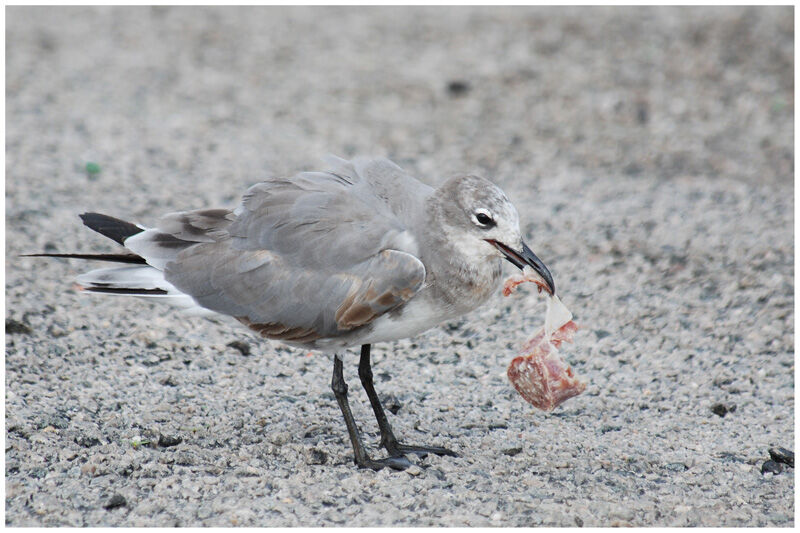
(317, 457)
(165, 441)
(243, 347)
(56, 421)
(14, 327)
(87, 441)
(771, 467)
(458, 87)
(782, 455)
(117, 500)
(720, 409)
(413, 470)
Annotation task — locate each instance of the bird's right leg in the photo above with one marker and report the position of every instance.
(362, 459)
(388, 440)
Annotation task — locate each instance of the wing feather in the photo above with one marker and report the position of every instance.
(314, 256)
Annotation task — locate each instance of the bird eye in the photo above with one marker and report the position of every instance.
(483, 218)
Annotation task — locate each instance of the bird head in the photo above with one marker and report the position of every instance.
(483, 224)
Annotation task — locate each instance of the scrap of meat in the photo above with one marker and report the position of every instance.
(528, 274)
(542, 378)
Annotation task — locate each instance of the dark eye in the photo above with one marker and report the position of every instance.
(484, 219)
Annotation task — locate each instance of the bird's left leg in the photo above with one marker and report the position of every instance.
(363, 460)
(388, 440)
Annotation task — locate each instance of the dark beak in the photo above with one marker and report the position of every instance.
(527, 257)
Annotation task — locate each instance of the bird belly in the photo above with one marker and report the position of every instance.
(414, 317)
(417, 315)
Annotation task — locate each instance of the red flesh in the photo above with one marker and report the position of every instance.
(540, 375)
(511, 284)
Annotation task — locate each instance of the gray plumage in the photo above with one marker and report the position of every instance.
(358, 254)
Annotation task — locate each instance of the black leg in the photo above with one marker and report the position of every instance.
(362, 459)
(388, 440)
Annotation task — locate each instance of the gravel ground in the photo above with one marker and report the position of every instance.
(649, 152)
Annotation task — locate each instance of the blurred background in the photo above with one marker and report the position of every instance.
(650, 152)
(237, 94)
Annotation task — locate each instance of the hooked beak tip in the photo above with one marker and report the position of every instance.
(527, 258)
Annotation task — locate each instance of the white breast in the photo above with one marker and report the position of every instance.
(418, 315)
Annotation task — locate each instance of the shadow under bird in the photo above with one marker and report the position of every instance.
(359, 254)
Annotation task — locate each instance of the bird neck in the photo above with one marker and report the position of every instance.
(461, 280)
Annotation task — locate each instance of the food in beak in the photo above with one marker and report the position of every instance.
(531, 265)
(542, 378)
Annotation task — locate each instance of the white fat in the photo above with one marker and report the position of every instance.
(557, 315)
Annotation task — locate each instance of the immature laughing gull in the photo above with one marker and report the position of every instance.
(359, 254)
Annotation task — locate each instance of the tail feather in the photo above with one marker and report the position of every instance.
(148, 254)
(115, 258)
(129, 278)
(142, 281)
(113, 228)
(129, 292)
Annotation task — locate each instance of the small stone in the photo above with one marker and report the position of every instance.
(721, 409)
(676, 467)
(169, 381)
(242, 346)
(165, 441)
(185, 459)
(317, 457)
(56, 421)
(19, 431)
(642, 112)
(414, 470)
(782, 455)
(16, 327)
(87, 441)
(601, 334)
(458, 87)
(771, 467)
(57, 331)
(38, 473)
(247, 471)
(511, 452)
(117, 500)
(578, 521)
(391, 404)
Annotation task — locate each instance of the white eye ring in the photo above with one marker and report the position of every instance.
(483, 218)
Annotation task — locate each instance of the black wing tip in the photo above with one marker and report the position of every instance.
(115, 258)
(128, 291)
(114, 228)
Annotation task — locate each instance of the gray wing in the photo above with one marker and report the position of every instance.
(309, 257)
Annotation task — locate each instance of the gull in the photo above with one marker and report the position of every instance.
(358, 254)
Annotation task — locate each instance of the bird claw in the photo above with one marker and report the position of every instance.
(394, 462)
(397, 449)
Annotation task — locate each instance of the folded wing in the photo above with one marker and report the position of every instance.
(314, 256)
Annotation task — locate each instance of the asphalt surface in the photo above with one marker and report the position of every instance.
(650, 153)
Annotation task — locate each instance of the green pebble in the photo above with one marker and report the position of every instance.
(92, 168)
